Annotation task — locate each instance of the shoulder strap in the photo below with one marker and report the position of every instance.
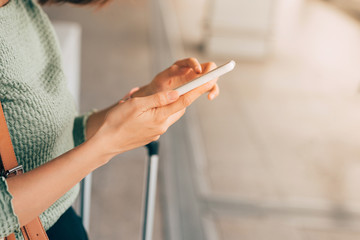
(33, 230)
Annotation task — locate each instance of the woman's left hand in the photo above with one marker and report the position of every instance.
(179, 73)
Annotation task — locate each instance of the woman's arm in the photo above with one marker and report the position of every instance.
(36, 190)
(126, 126)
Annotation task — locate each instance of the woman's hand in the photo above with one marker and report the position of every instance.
(179, 73)
(138, 121)
(141, 120)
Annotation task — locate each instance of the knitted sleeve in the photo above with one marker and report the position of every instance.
(79, 130)
(9, 222)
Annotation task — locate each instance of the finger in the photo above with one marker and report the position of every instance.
(176, 116)
(214, 92)
(186, 99)
(159, 99)
(207, 67)
(128, 95)
(190, 63)
(133, 90)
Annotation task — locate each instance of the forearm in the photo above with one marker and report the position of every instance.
(36, 190)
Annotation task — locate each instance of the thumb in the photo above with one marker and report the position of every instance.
(159, 99)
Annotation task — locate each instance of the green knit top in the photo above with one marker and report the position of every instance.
(39, 110)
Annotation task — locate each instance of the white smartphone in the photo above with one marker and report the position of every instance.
(197, 82)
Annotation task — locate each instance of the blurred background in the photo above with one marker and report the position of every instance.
(275, 156)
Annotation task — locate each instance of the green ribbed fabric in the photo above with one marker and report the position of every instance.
(38, 108)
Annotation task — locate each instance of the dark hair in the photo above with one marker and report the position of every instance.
(77, 2)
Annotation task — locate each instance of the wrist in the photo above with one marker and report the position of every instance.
(100, 147)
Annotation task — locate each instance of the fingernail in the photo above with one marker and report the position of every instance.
(198, 69)
(211, 96)
(173, 95)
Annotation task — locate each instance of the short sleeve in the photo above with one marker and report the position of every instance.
(9, 222)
